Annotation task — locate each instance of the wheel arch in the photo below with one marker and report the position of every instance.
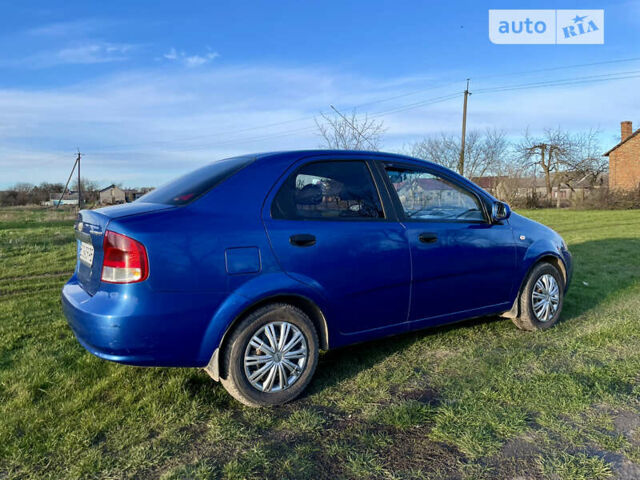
(546, 257)
(216, 368)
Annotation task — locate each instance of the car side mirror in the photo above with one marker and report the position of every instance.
(500, 211)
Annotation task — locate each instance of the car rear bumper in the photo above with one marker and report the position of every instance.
(133, 325)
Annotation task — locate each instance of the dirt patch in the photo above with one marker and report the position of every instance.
(520, 447)
(628, 424)
(426, 395)
(518, 459)
(413, 450)
(622, 467)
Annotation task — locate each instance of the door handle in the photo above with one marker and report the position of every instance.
(302, 240)
(428, 237)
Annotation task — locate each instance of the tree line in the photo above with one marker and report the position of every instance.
(560, 157)
(24, 193)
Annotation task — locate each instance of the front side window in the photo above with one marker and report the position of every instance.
(332, 190)
(425, 196)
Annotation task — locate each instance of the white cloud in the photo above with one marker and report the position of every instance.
(93, 53)
(190, 60)
(71, 28)
(171, 54)
(82, 53)
(146, 127)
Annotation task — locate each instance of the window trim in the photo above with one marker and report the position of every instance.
(386, 209)
(402, 216)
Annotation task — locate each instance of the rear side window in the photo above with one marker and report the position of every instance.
(332, 190)
(192, 185)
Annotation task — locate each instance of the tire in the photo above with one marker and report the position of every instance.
(528, 319)
(274, 319)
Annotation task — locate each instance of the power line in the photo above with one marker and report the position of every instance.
(565, 81)
(287, 133)
(411, 106)
(353, 126)
(373, 102)
(260, 127)
(430, 101)
(552, 69)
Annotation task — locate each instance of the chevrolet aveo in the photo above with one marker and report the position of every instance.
(250, 266)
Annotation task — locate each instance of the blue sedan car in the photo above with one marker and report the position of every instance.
(250, 266)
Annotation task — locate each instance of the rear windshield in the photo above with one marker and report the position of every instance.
(192, 185)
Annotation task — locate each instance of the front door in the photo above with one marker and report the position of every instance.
(328, 228)
(463, 265)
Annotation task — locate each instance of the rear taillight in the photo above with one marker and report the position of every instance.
(125, 259)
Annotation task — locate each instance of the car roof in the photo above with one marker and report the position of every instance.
(297, 154)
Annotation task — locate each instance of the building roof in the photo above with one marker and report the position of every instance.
(109, 188)
(533, 182)
(622, 142)
(424, 183)
(488, 181)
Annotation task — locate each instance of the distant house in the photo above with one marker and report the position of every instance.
(509, 188)
(111, 195)
(418, 192)
(70, 198)
(132, 194)
(624, 159)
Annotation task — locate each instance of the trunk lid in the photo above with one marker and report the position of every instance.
(90, 227)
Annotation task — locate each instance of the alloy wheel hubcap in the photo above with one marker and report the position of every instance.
(545, 297)
(275, 357)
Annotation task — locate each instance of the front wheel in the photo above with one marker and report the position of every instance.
(271, 356)
(541, 298)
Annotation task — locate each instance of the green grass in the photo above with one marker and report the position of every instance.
(476, 400)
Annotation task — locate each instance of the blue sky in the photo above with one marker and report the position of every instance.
(149, 90)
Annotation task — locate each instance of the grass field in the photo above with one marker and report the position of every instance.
(476, 400)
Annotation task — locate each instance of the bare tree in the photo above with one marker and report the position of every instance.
(43, 192)
(512, 173)
(351, 132)
(442, 149)
(564, 158)
(485, 152)
(90, 189)
(23, 193)
(587, 161)
(550, 152)
(24, 187)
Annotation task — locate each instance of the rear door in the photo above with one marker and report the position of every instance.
(330, 228)
(462, 264)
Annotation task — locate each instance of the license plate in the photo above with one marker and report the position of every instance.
(86, 253)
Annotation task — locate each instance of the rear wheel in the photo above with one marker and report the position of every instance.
(541, 298)
(271, 356)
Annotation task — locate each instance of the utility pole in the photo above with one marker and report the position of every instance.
(464, 130)
(79, 182)
(64, 190)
